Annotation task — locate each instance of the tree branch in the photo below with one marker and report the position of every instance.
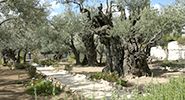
(82, 9)
(101, 29)
(107, 10)
(56, 27)
(3, 1)
(6, 20)
(155, 38)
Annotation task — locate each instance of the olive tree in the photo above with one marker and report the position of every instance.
(19, 21)
(128, 39)
(68, 26)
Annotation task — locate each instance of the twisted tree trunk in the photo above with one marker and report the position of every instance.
(135, 61)
(88, 40)
(114, 55)
(75, 51)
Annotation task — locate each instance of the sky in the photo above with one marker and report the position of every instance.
(57, 8)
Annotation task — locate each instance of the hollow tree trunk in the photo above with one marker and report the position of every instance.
(88, 40)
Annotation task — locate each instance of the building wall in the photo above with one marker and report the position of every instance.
(174, 52)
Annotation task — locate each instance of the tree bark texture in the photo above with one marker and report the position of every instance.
(91, 54)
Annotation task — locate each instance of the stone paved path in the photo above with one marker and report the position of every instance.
(79, 83)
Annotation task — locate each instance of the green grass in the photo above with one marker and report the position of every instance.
(42, 87)
(174, 90)
(48, 62)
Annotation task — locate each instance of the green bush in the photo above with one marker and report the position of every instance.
(36, 60)
(71, 58)
(48, 62)
(42, 87)
(181, 40)
(106, 76)
(110, 77)
(166, 38)
(174, 90)
(121, 82)
(68, 67)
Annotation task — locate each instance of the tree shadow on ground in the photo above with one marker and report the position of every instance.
(11, 82)
(159, 69)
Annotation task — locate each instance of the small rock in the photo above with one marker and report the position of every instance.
(129, 96)
(104, 82)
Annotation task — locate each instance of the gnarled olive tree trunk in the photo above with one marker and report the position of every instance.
(76, 54)
(121, 57)
(135, 58)
(91, 54)
(8, 54)
(114, 55)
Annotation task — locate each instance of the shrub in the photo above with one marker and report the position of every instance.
(106, 76)
(35, 60)
(68, 67)
(166, 38)
(121, 82)
(48, 62)
(71, 58)
(42, 87)
(110, 77)
(181, 40)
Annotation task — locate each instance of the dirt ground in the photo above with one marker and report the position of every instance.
(13, 86)
(13, 82)
(159, 74)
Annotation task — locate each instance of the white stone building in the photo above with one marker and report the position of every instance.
(174, 51)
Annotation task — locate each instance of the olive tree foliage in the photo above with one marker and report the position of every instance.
(88, 35)
(70, 27)
(128, 39)
(62, 34)
(175, 16)
(19, 20)
(143, 29)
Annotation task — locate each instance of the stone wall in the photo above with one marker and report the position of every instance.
(174, 51)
